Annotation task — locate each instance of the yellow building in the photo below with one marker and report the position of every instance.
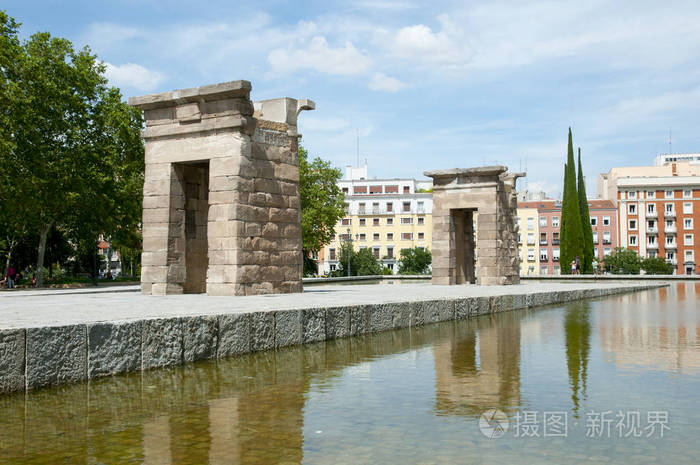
(528, 241)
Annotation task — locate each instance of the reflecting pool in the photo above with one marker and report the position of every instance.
(612, 380)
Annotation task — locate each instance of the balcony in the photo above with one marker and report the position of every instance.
(671, 245)
(671, 261)
(555, 259)
(670, 213)
(652, 214)
(606, 241)
(555, 241)
(652, 230)
(652, 245)
(543, 241)
(544, 259)
(670, 229)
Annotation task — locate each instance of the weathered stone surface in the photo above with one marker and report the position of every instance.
(337, 322)
(313, 322)
(12, 343)
(359, 320)
(401, 315)
(200, 337)
(234, 334)
(56, 355)
(113, 348)
(262, 331)
(417, 313)
(162, 343)
(381, 317)
(287, 328)
(438, 310)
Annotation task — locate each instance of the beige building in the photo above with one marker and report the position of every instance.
(528, 244)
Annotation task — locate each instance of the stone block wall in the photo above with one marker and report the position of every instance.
(222, 212)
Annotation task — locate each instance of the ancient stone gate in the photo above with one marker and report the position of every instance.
(221, 207)
(457, 195)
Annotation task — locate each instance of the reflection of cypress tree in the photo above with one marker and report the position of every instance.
(577, 330)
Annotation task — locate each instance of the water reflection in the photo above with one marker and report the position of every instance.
(577, 333)
(479, 367)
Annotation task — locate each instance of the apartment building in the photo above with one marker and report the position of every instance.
(528, 234)
(547, 214)
(385, 215)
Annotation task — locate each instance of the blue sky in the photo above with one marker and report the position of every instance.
(428, 84)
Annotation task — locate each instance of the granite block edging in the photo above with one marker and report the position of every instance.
(35, 357)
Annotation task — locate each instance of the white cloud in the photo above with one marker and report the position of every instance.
(133, 75)
(319, 56)
(382, 82)
(447, 47)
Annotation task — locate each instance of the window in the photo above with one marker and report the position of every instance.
(689, 256)
(670, 240)
(407, 206)
(632, 208)
(555, 221)
(669, 194)
(520, 238)
(606, 221)
(332, 267)
(406, 190)
(651, 226)
(361, 208)
(595, 237)
(594, 221)
(687, 193)
(687, 223)
(421, 220)
(669, 224)
(363, 222)
(375, 221)
(651, 208)
(651, 240)
(343, 237)
(555, 238)
(670, 256)
(633, 224)
(375, 236)
(543, 255)
(389, 252)
(389, 207)
(651, 194)
(530, 224)
(669, 208)
(688, 239)
(651, 254)
(421, 236)
(390, 266)
(406, 236)
(331, 254)
(544, 270)
(375, 252)
(389, 236)
(607, 251)
(375, 207)
(530, 255)
(389, 221)
(406, 220)
(391, 189)
(375, 189)
(421, 207)
(632, 195)
(556, 270)
(687, 207)
(555, 255)
(606, 237)
(633, 240)
(520, 224)
(360, 190)
(345, 190)
(543, 238)
(346, 221)
(543, 221)
(530, 238)
(363, 237)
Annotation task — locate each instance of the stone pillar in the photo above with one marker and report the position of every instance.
(457, 194)
(222, 212)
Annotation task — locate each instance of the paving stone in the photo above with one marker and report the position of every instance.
(200, 337)
(313, 325)
(162, 343)
(113, 348)
(287, 328)
(234, 334)
(56, 355)
(262, 331)
(12, 343)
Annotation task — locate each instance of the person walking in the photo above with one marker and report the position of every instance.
(573, 267)
(10, 277)
(578, 265)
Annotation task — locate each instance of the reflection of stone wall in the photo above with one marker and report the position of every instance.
(221, 193)
(479, 367)
(457, 195)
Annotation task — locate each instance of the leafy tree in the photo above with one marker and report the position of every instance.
(367, 263)
(571, 228)
(656, 265)
(362, 262)
(623, 261)
(588, 250)
(75, 155)
(415, 261)
(322, 202)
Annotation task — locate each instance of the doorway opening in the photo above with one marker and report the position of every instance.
(463, 222)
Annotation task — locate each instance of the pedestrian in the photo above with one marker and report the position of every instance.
(10, 277)
(594, 264)
(578, 265)
(573, 266)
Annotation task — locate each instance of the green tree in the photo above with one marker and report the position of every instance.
(571, 228)
(415, 261)
(367, 263)
(75, 156)
(588, 250)
(322, 202)
(623, 261)
(656, 265)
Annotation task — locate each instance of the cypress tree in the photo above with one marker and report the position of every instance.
(571, 230)
(588, 250)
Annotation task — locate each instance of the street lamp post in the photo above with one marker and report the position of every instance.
(349, 252)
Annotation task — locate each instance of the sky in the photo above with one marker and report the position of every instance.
(425, 85)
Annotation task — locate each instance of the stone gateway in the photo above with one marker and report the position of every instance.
(457, 195)
(221, 207)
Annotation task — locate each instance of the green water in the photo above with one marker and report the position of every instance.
(406, 396)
